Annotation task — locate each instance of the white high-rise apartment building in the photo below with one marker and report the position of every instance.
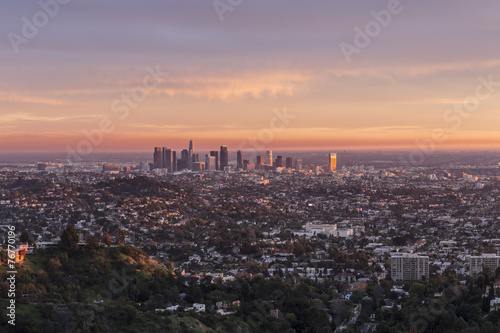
(487, 259)
(409, 267)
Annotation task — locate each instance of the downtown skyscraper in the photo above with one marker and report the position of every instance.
(269, 158)
(158, 158)
(332, 163)
(239, 160)
(224, 157)
(215, 154)
(260, 162)
(169, 160)
(165, 158)
(182, 163)
(278, 163)
(190, 156)
(210, 163)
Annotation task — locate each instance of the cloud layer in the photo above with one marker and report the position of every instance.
(226, 77)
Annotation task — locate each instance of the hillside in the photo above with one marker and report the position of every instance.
(95, 290)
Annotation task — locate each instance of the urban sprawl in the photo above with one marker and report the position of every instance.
(211, 219)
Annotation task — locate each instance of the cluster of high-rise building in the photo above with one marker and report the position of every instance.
(166, 158)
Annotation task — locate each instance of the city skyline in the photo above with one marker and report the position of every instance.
(222, 78)
(165, 159)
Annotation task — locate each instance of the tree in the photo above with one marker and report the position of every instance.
(382, 328)
(379, 315)
(92, 242)
(121, 237)
(378, 293)
(298, 249)
(24, 237)
(386, 285)
(54, 265)
(318, 319)
(107, 239)
(497, 272)
(69, 239)
(488, 327)
(417, 290)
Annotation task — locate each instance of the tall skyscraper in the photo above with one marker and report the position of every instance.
(191, 153)
(183, 161)
(174, 161)
(224, 157)
(163, 157)
(298, 164)
(260, 162)
(184, 155)
(289, 163)
(279, 162)
(210, 163)
(239, 160)
(180, 165)
(158, 158)
(168, 159)
(215, 154)
(269, 157)
(332, 165)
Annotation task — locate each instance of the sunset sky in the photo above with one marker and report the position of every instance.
(225, 77)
